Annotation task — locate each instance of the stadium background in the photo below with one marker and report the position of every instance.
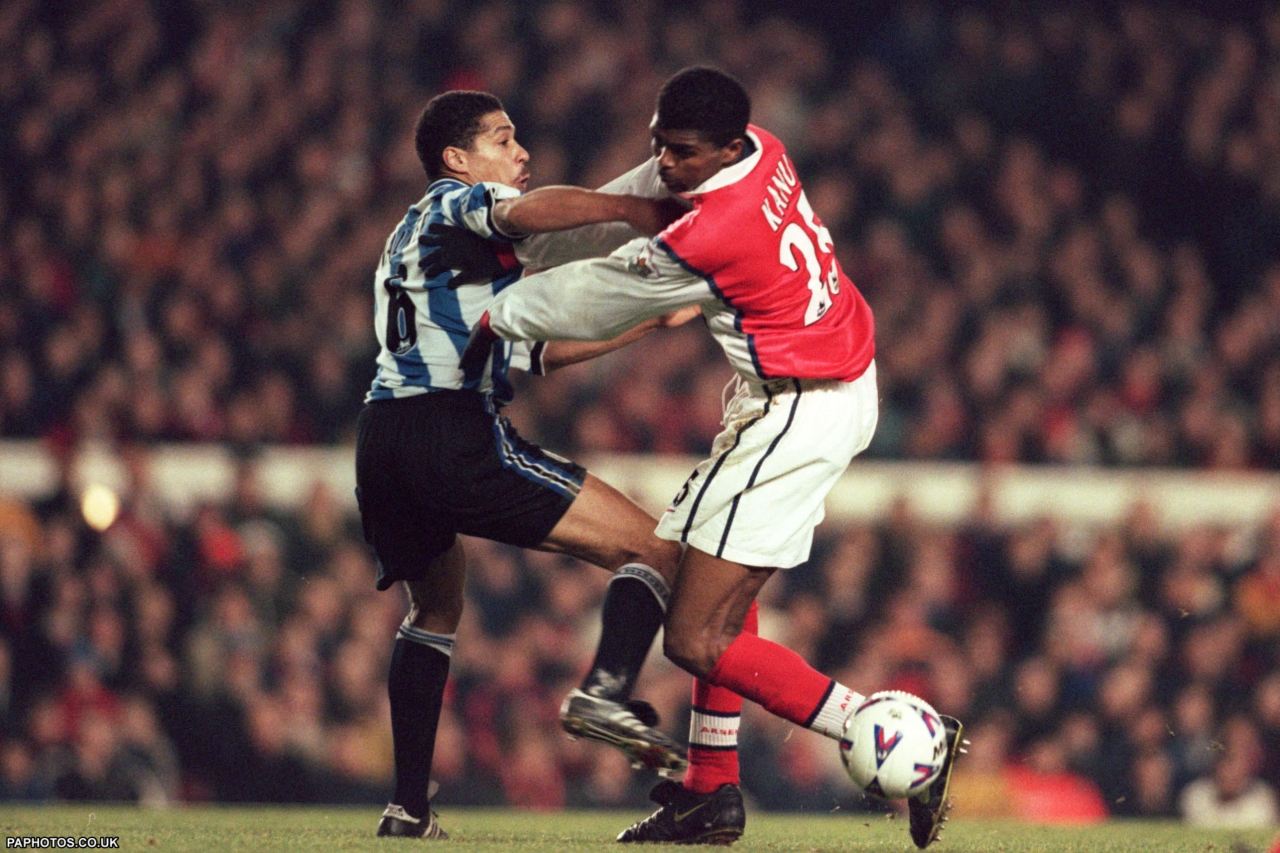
(1066, 221)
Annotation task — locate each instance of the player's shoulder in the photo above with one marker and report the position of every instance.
(496, 191)
(683, 228)
(447, 189)
(772, 156)
(765, 138)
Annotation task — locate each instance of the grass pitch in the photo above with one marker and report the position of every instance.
(320, 828)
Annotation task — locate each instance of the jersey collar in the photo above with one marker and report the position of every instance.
(731, 174)
(445, 183)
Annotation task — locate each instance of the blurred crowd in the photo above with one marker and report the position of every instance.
(239, 653)
(1064, 217)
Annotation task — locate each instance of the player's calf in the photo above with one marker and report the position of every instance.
(709, 607)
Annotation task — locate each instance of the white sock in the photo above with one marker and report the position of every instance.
(442, 643)
(713, 730)
(839, 704)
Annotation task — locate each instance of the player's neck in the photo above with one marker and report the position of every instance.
(447, 175)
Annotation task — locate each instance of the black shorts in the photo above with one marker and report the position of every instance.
(433, 466)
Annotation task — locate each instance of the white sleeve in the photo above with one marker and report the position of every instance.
(543, 251)
(599, 298)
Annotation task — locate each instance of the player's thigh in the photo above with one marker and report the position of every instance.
(708, 607)
(436, 598)
(605, 527)
(404, 546)
(511, 490)
(394, 519)
(500, 487)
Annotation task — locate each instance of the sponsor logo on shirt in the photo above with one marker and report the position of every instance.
(642, 264)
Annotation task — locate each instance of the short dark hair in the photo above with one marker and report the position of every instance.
(451, 119)
(707, 100)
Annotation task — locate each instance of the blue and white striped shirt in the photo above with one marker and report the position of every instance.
(422, 325)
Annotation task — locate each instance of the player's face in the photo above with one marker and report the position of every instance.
(686, 158)
(495, 155)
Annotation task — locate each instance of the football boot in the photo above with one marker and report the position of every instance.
(398, 823)
(630, 726)
(928, 810)
(685, 817)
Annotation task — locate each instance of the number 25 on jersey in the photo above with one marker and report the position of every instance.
(812, 247)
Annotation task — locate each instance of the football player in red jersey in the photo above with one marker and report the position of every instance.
(755, 257)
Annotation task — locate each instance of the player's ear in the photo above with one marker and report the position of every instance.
(455, 159)
(731, 152)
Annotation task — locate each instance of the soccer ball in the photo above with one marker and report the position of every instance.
(893, 745)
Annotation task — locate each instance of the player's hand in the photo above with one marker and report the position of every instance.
(466, 256)
(678, 317)
(479, 348)
(653, 215)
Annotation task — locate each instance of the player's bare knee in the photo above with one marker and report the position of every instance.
(662, 556)
(691, 651)
(439, 617)
(428, 610)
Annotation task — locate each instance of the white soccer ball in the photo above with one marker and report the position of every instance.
(894, 744)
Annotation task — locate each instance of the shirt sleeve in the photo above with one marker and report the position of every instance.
(599, 298)
(543, 251)
(472, 208)
(527, 356)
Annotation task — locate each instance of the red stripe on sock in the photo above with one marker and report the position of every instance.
(711, 768)
(772, 676)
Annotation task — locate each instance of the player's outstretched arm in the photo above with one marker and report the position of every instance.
(553, 248)
(557, 354)
(561, 207)
(597, 300)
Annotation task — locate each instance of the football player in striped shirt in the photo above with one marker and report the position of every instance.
(436, 458)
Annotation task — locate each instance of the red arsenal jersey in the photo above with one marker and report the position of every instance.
(753, 236)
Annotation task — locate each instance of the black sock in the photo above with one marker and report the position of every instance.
(634, 607)
(416, 687)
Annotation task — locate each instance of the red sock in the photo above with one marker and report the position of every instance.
(773, 677)
(713, 729)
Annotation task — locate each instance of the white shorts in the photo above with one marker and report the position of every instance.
(785, 443)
